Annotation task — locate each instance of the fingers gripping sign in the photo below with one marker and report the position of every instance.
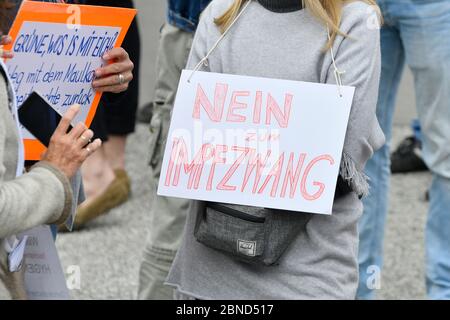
(116, 76)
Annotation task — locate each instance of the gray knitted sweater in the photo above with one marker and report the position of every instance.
(321, 263)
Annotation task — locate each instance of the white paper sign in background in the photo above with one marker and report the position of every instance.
(256, 141)
(59, 63)
(44, 276)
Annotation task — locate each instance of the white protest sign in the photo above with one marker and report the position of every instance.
(256, 141)
(44, 276)
(62, 68)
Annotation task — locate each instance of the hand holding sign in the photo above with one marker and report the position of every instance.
(60, 61)
(116, 76)
(4, 41)
(108, 77)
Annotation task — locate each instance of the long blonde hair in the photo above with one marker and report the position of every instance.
(327, 11)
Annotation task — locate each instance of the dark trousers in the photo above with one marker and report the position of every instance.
(116, 113)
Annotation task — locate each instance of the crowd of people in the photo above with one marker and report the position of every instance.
(326, 257)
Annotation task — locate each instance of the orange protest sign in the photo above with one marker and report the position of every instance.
(57, 48)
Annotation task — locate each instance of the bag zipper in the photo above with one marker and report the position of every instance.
(235, 213)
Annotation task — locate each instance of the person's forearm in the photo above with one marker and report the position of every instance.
(36, 198)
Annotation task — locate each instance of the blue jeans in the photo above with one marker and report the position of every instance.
(415, 126)
(185, 14)
(415, 33)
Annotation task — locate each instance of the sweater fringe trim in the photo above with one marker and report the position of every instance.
(356, 179)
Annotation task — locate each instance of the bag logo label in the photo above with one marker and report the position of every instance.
(247, 248)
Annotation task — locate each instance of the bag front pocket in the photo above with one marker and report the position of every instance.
(231, 231)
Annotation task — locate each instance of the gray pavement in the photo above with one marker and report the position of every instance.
(109, 250)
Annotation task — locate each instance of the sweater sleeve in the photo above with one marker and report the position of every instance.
(41, 196)
(358, 56)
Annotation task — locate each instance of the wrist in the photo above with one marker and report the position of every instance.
(67, 207)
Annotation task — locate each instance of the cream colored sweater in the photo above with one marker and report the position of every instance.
(42, 196)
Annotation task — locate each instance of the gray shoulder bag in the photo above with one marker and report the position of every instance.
(250, 234)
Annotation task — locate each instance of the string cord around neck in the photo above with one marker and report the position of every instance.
(204, 62)
(337, 72)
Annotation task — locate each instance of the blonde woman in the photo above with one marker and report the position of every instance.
(288, 39)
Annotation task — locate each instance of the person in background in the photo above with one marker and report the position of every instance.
(106, 182)
(168, 215)
(414, 33)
